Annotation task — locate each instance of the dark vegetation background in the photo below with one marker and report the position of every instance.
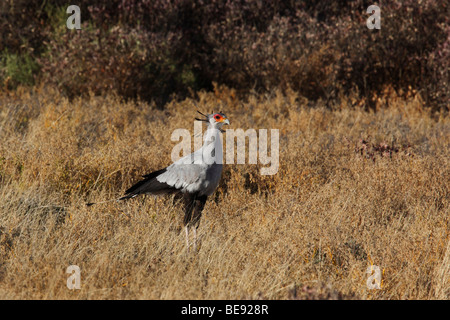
(364, 149)
(159, 50)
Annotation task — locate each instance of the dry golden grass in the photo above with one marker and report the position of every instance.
(336, 206)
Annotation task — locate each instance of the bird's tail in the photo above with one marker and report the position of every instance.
(148, 185)
(128, 196)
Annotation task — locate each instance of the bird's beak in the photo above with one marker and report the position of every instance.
(226, 121)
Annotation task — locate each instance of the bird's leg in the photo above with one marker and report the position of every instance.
(193, 211)
(195, 239)
(186, 230)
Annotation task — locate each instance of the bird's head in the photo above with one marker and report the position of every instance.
(216, 120)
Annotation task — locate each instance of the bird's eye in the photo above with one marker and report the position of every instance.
(217, 117)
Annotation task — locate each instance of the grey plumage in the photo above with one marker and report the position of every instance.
(195, 176)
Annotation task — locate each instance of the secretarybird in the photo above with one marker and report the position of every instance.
(195, 176)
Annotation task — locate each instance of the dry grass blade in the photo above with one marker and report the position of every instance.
(308, 232)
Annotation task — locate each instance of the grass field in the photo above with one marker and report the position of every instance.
(354, 189)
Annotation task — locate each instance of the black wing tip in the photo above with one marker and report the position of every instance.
(154, 174)
(148, 185)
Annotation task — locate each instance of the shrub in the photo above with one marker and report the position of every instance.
(17, 69)
(132, 62)
(162, 49)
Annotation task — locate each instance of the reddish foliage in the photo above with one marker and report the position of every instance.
(154, 49)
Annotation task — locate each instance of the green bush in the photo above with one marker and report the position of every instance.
(17, 69)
